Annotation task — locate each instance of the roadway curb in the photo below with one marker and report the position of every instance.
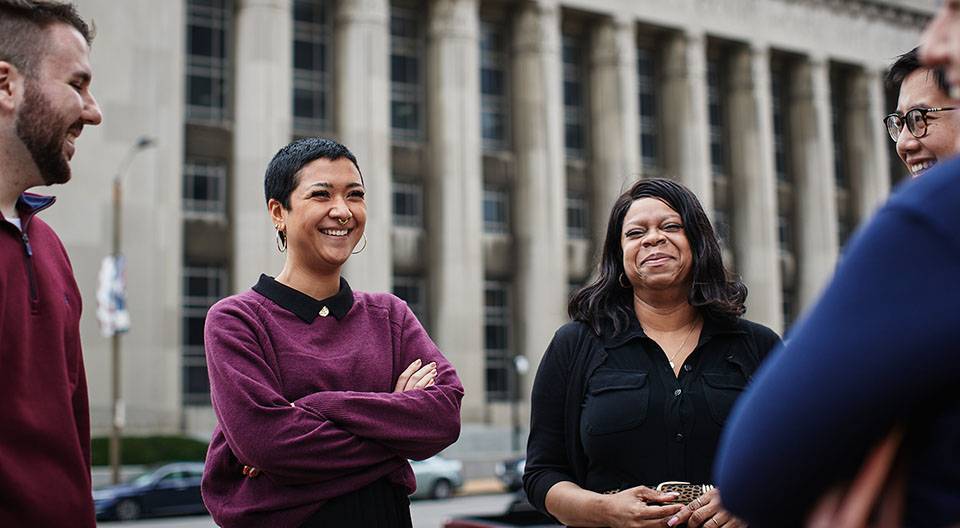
(482, 486)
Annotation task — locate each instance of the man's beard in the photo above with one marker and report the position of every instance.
(37, 127)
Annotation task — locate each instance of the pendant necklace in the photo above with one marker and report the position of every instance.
(671, 359)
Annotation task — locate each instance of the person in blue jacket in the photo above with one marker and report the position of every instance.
(877, 351)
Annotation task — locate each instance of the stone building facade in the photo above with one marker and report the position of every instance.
(493, 135)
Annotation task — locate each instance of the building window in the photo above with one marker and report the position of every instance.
(779, 83)
(578, 213)
(407, 204)
(496, 210)
(413, 290)
(716, 110)
(574, 98)
(208, 60)
(312, 39)
(202, 287)
(647, 104)
(500, 372)
(205, 189)
(494, 101)
(846, 218)
(406, 73)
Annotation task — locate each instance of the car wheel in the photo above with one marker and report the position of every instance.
(128, 510)
(442, 489)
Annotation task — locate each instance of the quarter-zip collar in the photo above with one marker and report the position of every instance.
(28, 205)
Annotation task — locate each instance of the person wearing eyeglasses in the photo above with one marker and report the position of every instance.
(926, 124)
(876, 354)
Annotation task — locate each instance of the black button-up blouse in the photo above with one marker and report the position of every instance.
(608, 413)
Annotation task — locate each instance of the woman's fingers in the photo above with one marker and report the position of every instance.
(427, 379)
(651, 495)
(405, 376)
(418, 375)
(698, 511)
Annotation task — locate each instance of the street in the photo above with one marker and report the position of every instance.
(426, 513)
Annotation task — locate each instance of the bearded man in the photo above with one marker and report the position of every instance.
(45, 102)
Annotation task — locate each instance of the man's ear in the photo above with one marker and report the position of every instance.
(11, 83)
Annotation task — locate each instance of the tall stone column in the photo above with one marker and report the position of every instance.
(539, 206)
(867, 140)
(754, 185)
(812, 162)
(686, 142)
(455, 192)
(263, 85)
(362, 120)
(615, 159)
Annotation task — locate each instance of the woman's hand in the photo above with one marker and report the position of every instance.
(706, 512)
(416, 376)
(631, 509)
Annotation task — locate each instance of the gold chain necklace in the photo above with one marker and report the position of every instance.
(693, 324)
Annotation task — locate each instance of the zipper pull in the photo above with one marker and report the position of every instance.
(26, 244)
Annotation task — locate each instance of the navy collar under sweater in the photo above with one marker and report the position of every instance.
(302, 305)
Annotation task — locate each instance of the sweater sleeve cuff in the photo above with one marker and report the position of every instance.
(537, 489)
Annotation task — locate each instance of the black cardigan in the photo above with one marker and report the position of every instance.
(555, 451)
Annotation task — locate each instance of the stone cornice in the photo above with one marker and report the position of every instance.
(875, 10)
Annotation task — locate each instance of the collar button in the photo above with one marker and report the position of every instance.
(324, 311)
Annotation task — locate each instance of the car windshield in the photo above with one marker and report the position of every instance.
(144, 478)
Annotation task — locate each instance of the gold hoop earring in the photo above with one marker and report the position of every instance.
(362, 247)
(621, 280)
(281, 240)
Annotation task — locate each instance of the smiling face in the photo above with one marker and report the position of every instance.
(327, 215)
(920, 90)
(57, 104)
(656, 252)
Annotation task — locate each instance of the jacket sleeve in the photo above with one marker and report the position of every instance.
(414, 424)
(547, 462)
(874, 350)
(291, 444)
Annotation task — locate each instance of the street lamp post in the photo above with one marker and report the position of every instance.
(143, 142)
(520, 367)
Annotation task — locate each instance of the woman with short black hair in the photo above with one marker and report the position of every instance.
(635, 390)
(321, 393)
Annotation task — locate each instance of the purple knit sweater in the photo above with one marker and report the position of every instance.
(311, 405)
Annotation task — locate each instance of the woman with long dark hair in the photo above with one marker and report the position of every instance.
(636, 389)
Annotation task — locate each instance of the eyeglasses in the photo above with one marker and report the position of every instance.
(916, 120)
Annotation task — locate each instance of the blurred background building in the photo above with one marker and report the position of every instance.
(493, 136)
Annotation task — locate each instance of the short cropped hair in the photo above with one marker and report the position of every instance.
(22, 26)
(281, 177)
(908, 63)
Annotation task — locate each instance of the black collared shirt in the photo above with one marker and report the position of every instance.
(608, 412)
(302, 305)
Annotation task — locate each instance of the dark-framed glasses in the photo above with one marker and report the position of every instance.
(915, 119)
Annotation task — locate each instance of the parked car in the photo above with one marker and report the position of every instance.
(171, 489)
(510, 472)
(437, 477)
(519, 513)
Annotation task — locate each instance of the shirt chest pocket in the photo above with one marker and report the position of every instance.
(617, 400)
(721, 392)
